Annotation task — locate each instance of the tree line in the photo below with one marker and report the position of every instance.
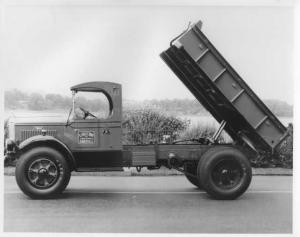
(16, 99)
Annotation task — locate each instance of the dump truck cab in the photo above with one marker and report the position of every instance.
(81, 133)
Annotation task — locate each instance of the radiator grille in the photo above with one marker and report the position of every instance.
(30, 133)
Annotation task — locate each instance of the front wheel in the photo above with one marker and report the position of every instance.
(42, 172)
(224, 172)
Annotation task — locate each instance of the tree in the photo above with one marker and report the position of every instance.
(13, 99)
(36, 102)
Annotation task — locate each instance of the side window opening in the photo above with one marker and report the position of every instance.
(91, 105)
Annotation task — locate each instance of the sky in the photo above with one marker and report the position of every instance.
(50, 47)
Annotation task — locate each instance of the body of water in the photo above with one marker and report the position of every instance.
(194, 119)
(210, 121)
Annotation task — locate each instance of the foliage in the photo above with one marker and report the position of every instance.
(177, 106)
(36, 102)
(57, 101)
(282, 157)
(15, 99)
(92, 104)
(148, 126)
(202, 131)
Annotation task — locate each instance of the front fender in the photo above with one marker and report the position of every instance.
(48, 141)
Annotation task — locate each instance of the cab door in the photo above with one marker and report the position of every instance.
(86, 134)
(96, 127)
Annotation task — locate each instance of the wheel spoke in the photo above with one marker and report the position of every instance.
(46, 183)
(35, 180)
(35, 171)
(48, 165)
(40, 164)
(52, 174)
(50, 178)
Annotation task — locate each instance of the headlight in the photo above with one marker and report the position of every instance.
(11, 129)
(9, 144)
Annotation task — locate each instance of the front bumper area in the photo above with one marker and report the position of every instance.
(10, 151)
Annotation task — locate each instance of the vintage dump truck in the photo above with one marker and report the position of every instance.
(48, 151)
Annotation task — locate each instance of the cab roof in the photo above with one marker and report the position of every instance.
(95, 86)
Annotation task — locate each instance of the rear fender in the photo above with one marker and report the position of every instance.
(49, 141)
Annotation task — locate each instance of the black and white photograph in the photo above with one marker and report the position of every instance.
(148, 117)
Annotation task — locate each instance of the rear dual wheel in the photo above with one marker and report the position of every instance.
(42, 172)
(191, 174)
(224, 172)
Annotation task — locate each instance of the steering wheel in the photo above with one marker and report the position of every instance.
(87, 113)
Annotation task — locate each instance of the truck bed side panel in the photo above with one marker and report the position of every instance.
(222, 91)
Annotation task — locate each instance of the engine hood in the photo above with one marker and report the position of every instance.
(19, 128)
(39, 120)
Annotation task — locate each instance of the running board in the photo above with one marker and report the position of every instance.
(100, 169)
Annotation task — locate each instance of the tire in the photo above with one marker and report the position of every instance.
(224, 172)
(42, 172)
(192, 169)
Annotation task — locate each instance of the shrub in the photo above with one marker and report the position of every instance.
(282, 157)
(284, 153)
(146, 126)
(205, 131)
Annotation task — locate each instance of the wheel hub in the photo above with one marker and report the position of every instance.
(42, 173)
(224, 172)
(227, 174)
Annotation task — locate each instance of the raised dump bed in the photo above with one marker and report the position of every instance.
(220, 89)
